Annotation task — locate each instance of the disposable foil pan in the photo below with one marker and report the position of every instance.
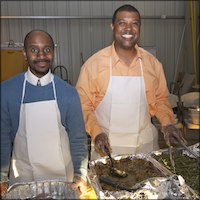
(42, 190)
(184, 170)
(168, 186)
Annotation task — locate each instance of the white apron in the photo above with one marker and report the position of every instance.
(123, 115)
(41, 147)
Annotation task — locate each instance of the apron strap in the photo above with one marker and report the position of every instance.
(54, 88)
(24, 86)
(141, 67)
(110, 66)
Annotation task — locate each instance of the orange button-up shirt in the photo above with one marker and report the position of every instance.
(94, 78)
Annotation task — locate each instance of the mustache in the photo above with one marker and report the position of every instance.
(42, 60)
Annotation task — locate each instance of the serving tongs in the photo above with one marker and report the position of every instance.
(188, 149)
(185, 147)
(171, 159)
(116, 184)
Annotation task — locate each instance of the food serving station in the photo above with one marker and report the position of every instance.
(148, 176)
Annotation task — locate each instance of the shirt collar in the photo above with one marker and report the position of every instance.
(46, 79)
(115, 57)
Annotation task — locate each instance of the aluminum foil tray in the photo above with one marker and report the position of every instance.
(166, 186)
(185, 165)
(42, 190)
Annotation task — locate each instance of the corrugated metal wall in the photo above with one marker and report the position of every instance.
(84, 27)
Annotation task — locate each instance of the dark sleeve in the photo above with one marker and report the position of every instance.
(6, 141)
(77, 136)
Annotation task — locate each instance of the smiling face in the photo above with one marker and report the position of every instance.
(39, 52)
(126, 29)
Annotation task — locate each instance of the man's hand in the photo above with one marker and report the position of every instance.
(172, 135)
(80, 184)
(101, 142)
(3, 189)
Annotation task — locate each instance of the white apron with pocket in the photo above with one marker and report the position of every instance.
(123, 115)
(41, 148)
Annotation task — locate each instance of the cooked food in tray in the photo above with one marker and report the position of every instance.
(186, 165)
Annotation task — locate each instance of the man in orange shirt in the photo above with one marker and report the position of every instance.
(121, 87)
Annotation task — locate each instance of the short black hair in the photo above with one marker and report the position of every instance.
(126, 7)
(37, 30)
